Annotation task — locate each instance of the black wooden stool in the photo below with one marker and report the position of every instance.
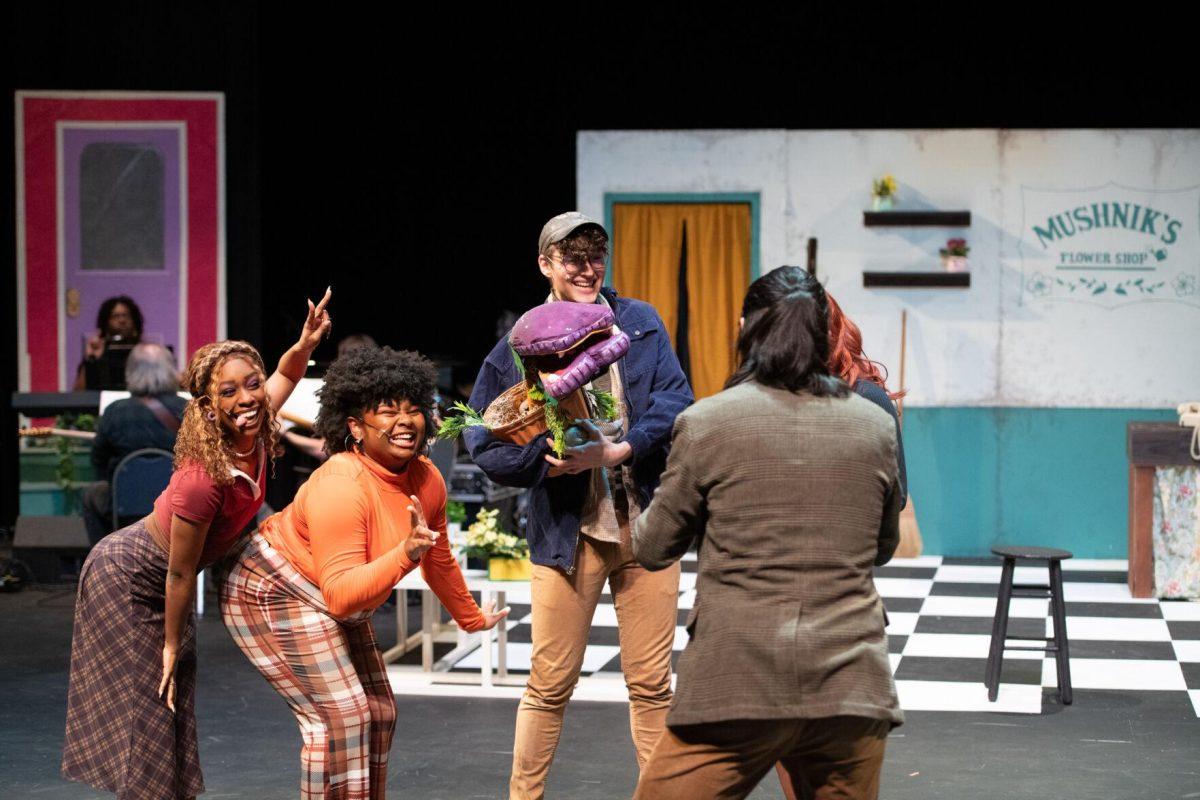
(1058, 610)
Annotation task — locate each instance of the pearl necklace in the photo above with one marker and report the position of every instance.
(246, 454)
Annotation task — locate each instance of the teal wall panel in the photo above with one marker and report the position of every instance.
(1045, 476)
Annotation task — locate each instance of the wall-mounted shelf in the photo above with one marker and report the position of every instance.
(912, 219)
(916, 280)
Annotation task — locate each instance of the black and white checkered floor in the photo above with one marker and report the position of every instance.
(941, 615)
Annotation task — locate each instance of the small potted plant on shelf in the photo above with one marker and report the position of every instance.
(507, 556)
(954, 255)
(883, 193)
(456, 515)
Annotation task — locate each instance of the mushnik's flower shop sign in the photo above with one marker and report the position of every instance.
(1110, 245)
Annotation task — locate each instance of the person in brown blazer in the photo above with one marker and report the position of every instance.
(788, 483)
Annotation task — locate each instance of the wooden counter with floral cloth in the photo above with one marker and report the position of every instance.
(1164, 511)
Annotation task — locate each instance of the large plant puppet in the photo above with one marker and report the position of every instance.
(558, 348)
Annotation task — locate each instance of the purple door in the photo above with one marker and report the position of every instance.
(122, 233)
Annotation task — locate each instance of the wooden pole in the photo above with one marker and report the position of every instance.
(911, 544)
(903, 350)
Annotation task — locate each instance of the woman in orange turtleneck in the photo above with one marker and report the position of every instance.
(298, 597)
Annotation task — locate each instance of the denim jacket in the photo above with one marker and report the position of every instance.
(655, 392)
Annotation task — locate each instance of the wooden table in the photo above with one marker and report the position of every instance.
(1149, 445)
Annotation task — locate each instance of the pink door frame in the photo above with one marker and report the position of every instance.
(40, 116)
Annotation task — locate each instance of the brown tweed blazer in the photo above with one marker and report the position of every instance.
(791, 498)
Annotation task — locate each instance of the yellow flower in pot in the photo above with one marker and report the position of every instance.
(507, 555)
(883, 193)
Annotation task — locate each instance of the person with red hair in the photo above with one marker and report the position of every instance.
(866, 377)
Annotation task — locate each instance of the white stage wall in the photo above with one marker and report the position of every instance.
(1026, 333)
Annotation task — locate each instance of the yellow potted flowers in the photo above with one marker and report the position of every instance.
(507, 555)
(883, 193)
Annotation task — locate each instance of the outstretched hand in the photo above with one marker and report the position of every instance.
(491, 616)
(317, 324)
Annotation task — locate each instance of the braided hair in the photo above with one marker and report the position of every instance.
(202, 439)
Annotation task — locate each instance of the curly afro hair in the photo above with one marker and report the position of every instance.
(362, 379)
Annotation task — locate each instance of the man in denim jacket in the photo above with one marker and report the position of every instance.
(579, 522)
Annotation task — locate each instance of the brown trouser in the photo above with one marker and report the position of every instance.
(837, 757)
(563, 606)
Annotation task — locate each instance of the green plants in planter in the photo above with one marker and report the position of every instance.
(64, 473)
(507, 555)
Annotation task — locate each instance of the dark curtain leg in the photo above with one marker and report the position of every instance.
(682, 348)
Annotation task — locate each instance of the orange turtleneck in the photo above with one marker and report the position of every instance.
(342, 531)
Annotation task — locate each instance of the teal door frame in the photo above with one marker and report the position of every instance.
(674, 198)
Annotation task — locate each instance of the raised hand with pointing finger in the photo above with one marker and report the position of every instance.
(317, 324)
(294, 363)
(421, 538)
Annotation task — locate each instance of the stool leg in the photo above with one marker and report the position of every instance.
(1063, 656)
(999, 630)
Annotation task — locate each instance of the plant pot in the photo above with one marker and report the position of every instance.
(881, 203)
(509, 569)
(954, 263)
(523, 429)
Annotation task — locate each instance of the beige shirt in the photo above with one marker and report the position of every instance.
(611, 505)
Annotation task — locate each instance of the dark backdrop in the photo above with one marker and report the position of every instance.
(410, 163)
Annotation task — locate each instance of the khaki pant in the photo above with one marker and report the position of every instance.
(837, 757)
(563, 606)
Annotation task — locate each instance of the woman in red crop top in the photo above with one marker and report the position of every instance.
(298, 597)
(131, 729)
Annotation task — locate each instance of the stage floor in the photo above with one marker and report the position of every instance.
(1132, 732)
(940, 613)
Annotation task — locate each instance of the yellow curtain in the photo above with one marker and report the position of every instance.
(647, 239)
(647, 242)
(718, 275)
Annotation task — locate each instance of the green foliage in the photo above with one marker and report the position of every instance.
(606, 404)
(467, 417)
(516, 357)
(456, 512)
(555, 422)
(557, 426)
(64, 472)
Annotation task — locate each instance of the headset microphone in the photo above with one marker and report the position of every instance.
(382, 433)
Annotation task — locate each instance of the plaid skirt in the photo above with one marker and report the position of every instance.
(328, 669)
(120, 736)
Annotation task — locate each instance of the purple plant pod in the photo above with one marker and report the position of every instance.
(554, 327)
(588, 364)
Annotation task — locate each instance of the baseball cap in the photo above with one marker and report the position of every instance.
(562, 226)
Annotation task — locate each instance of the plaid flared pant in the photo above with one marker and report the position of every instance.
(121, 737)
(328, 670)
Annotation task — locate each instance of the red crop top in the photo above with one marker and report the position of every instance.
(194, 496)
